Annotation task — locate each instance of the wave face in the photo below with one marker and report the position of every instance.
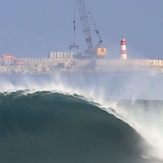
(52, 127)
(81, 118)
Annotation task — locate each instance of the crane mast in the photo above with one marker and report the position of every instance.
(85, 24)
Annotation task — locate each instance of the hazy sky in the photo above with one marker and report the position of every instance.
(31, 28)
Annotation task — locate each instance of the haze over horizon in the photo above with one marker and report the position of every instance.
(34, 28)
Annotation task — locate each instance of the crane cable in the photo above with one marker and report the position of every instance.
(94, 24)
(74, 21)
(74, 45)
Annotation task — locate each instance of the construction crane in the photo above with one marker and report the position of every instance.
(92, 51)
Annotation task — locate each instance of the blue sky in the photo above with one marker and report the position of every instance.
(32, 28)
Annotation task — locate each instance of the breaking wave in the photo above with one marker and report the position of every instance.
(62, 120)
(53, 127)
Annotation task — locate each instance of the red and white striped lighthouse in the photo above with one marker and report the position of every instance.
(123, 48)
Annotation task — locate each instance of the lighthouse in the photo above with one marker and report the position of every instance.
(123, 48)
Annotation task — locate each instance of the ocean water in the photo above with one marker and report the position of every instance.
(81, 118)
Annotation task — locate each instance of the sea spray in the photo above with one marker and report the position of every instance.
(108, 93)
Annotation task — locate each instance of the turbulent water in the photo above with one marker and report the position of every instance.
(81, 118)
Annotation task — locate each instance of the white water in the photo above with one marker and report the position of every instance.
(147, 122)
